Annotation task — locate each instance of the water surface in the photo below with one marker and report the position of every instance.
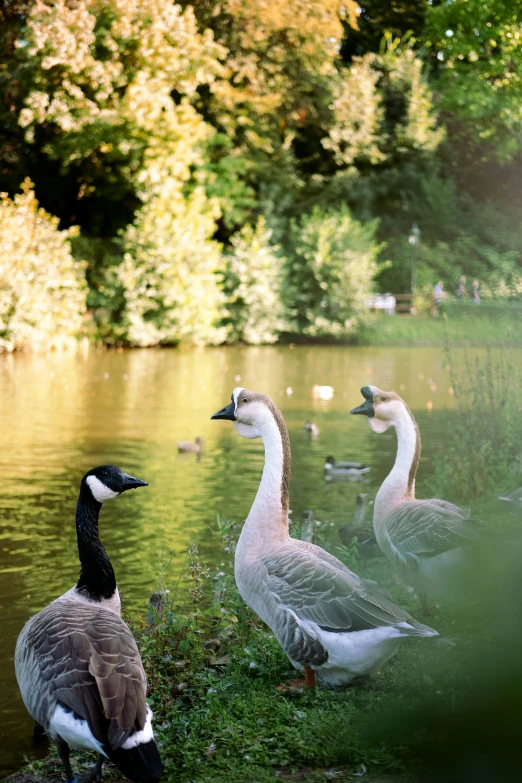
(65, 413)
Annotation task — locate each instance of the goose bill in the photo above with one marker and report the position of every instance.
(366, 409)
(228, 413)
(130, 482)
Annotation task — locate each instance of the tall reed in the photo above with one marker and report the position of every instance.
(482, 447)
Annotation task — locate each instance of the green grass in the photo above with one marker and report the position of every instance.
(459, 326)
(213, 671)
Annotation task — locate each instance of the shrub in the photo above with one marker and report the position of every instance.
(169, 272)
(253, 287)
(331, 264)
(42, 287)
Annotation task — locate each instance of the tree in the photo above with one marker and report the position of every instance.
(169, 273)
(476, 50)
(42, 287)
(109, 85)
(253, 278)
(331, 264)
(398, 18)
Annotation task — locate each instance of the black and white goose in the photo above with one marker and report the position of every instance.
(329, 622)
(77, 664)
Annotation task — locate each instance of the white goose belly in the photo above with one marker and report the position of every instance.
(355, 654)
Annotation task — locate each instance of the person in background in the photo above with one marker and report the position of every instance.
(475, 293)
(460, 293)
(438, 297)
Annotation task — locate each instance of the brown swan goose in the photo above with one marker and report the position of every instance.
(329, 622)
(425, 539)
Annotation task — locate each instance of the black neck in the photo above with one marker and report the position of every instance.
(97, 580)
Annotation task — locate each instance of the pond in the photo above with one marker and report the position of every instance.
(65, 413)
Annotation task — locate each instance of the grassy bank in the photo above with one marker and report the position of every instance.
(213, 671)
(459, 325)
(443, 709)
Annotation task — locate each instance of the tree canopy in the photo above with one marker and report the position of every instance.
(205, 152)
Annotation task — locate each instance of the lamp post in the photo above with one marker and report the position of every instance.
(414, 240)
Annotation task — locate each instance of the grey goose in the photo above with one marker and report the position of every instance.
(329, 622)
(77, 664)
(425, 539)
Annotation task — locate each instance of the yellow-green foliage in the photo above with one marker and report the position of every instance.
(161, 127)
(104, 73)
(253, 287)
(169, 272)
(360, 128)
(331, 264)
(42, 287)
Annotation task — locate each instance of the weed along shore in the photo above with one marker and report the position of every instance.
(213, 670)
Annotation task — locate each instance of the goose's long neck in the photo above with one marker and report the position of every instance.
(267, 522)
(400, 484)
(97, 581)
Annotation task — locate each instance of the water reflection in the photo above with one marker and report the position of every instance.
(63, 414)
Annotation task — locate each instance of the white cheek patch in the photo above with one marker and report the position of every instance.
(100, 492)
(235, 394)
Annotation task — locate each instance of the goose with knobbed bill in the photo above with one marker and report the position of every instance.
(330, 623)
(77, 664)
(425, 539)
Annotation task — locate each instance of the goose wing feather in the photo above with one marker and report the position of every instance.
(89, 657)
(426, 528)
(319, 588)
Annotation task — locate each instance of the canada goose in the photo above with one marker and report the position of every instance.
(327, 620)
(77, 664)
(311, 429)
(191, 447)
(425, 539)
(340, 470)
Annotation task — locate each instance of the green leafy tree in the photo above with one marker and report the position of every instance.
(476, 47)
(331, 264)
(169, 273)
(103, 73)
(111, 84)
(253, 278)
(383, 108)
(42, 287)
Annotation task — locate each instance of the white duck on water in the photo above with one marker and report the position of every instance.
(425, 539)
(328, 621)
(77, 664)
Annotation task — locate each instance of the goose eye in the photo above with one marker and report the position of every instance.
(245, 399)
(383, 399)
